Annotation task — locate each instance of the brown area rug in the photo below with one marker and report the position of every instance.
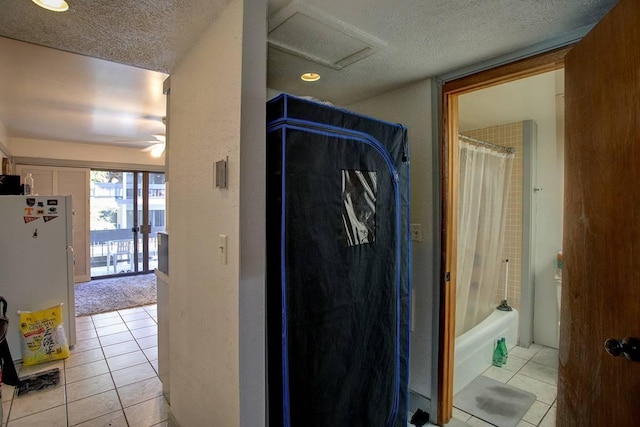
(117, 293)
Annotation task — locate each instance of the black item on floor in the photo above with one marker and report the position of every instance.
(419, 418)
(39, 381)
(8, 370)
(337, 267)
(9, 374)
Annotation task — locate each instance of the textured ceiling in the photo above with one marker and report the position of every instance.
(425, 38)
(150, 34)
(411, 40)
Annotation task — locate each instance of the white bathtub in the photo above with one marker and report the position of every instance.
(474, 348)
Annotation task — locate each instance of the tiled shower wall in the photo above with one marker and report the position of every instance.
(510, 135)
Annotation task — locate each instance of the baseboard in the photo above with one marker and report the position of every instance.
(171, 422)
(416, 400)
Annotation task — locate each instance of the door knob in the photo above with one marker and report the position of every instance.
(629, 346)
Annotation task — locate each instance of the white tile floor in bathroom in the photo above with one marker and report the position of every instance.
(533, 369)
(110, 379)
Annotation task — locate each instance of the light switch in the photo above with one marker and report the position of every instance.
(222, 248)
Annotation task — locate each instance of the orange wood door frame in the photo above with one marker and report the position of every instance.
(528, 67)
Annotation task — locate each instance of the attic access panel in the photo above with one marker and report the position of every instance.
(308, 33)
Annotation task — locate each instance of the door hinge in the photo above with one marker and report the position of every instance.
(447, 276)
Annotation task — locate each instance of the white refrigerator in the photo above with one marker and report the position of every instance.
(36, 260)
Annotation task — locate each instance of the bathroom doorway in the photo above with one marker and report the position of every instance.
(460, 97)
(527, 115)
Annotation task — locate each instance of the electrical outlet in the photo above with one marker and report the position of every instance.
(416, 232)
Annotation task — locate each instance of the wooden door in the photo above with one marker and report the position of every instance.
(601, 248)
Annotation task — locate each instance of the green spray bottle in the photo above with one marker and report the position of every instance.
(498, 355)
(503, 349)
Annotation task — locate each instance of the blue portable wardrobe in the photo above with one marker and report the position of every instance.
(337, 267)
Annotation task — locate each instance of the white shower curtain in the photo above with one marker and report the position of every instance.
(483, 189)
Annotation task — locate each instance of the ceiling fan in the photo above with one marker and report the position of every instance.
(158, 145)
(157, 141)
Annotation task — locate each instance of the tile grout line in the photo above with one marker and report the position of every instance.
(544, 416)
(527, 361)
(122, 408)
(149, 315)
(64, 367)
(144, 354)
(530, 360)
(115, 387)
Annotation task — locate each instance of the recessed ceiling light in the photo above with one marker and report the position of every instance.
(54, 5)
(310, 77)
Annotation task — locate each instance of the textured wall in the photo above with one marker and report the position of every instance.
(253, 216)
(548, 216)
(204, 114)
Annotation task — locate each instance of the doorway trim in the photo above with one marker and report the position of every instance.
(446, 93)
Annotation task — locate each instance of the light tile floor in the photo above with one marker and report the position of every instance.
(533, 369)
(110, 379)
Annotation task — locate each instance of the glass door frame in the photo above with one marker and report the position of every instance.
(139, 222)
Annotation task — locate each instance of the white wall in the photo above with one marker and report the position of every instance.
(217, 88)
(548, 216)
(22, 147)
(411, 106)
(253, 216)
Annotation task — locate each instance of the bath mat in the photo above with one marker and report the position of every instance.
(494, 402)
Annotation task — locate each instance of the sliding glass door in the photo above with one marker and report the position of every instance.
(127, 211)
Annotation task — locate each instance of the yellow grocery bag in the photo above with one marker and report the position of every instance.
(43, 337)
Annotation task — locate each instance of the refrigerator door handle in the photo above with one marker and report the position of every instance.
(71, 298)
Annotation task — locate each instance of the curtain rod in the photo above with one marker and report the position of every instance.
(509, 150)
